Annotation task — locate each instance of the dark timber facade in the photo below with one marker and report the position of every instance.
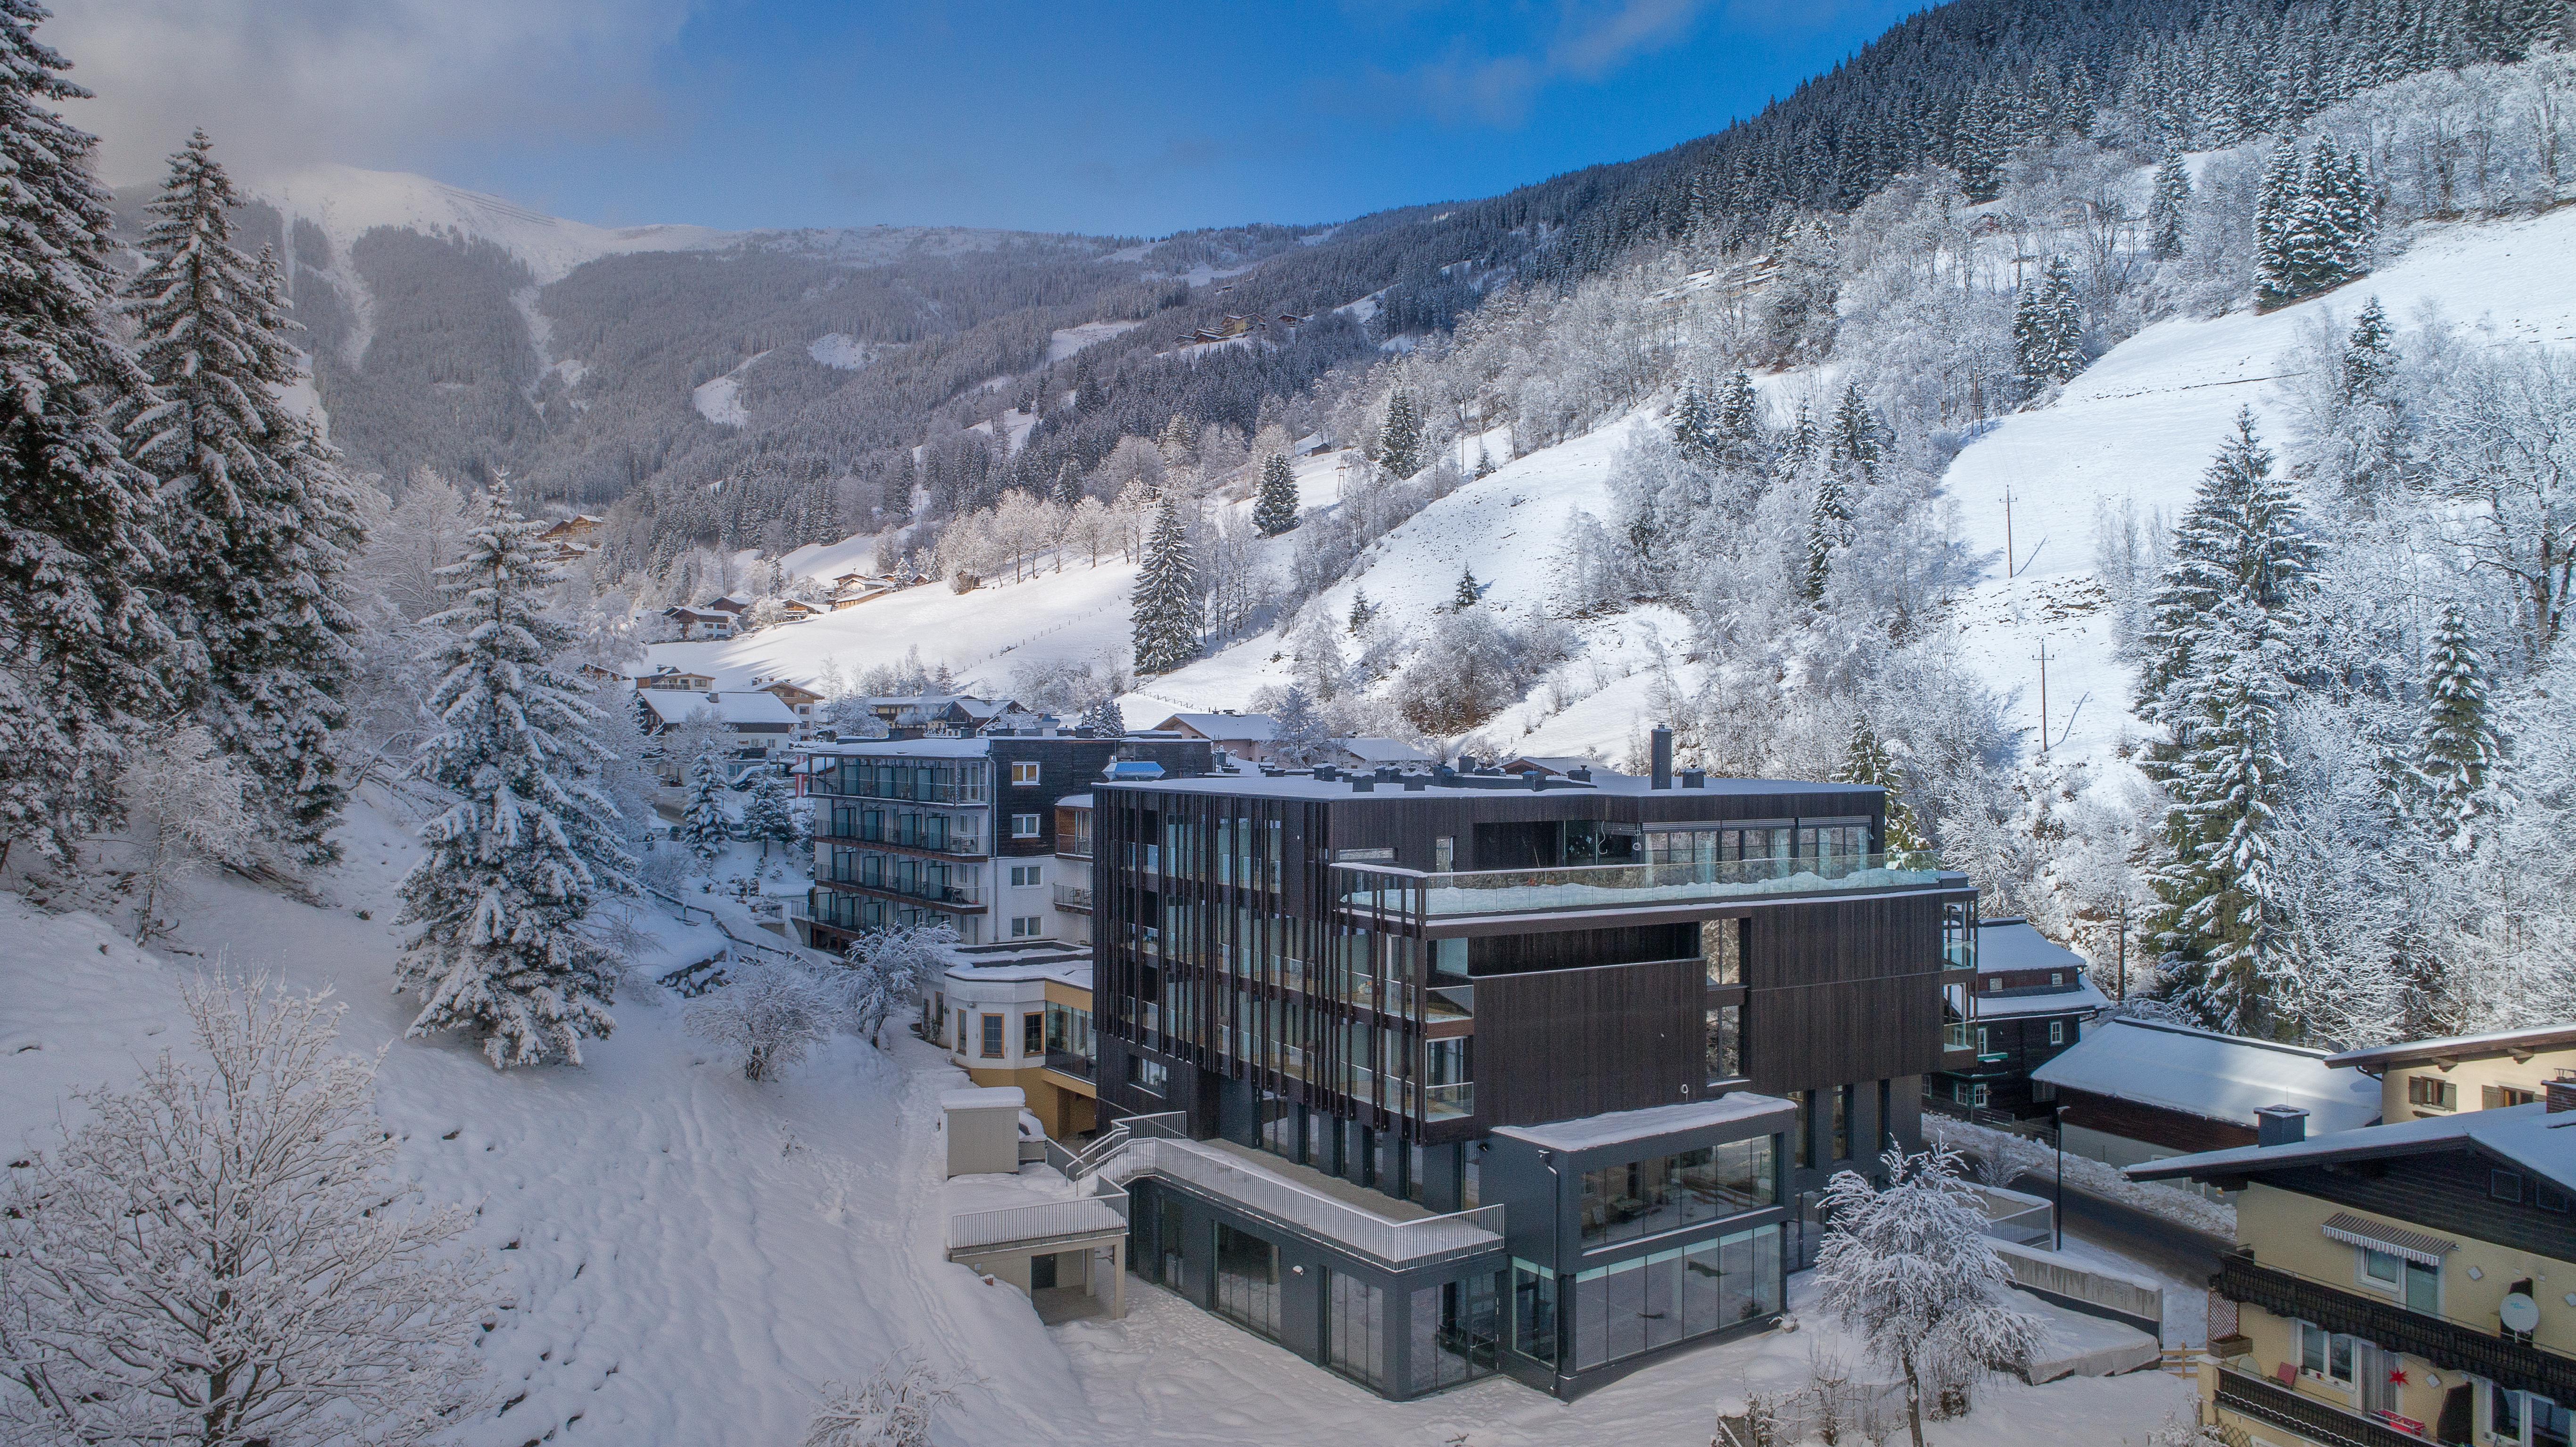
(1640, 1019)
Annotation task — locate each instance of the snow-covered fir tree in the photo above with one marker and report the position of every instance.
(513, 868)
(2315, 222)
(1798, 446)
(1399, 437)
(1298, 736)
(2215, 682)
(2369, 355)
(769, 811)
(1693, 423)
(2456, 752)
(1276, 511)
(1165, 602)
(1103, 718)
(2276, 207)
(1908, 1267)
(81, 645)
(257, 519)
(1363, 612)
(2048, 327)
(1867, 760)
(1737, 419)
(2169, 209)
(1468, 591)
(1828, 532)
(704, 830)
(1855, 439)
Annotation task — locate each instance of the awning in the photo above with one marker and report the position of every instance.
(2416, 1246)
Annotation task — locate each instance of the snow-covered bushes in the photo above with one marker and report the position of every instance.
(184, 809)
(887, 967)
(215, 1258)
(768, 1016)
(1471, 666)
(896, 1407)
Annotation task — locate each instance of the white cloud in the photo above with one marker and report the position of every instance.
(280, 83)
(1592, 39)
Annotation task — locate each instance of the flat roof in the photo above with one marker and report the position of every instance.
(1306, 786)
(2530, 1040)
(2209, 1075)
(1619, 1127)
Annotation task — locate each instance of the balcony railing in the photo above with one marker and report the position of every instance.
(949, 894)
(969, 846)
(1625, 886)
(2445, 1343)
(1066, 1062)
(2320, 1422)
(1449, 1102)
(1955, 1036)
(1394, 1243)
(1074, 897)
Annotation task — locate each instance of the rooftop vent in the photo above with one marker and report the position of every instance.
(1537, 780)
(2280, 1125)
(1694, 778)
(1416, 783)
(1580, 773)
(1362, 784)
(2560, 1091)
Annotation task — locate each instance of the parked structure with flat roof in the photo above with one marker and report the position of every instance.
(1558, 1053)
(2139, 1090)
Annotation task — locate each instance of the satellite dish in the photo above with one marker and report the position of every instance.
(2520, 1312)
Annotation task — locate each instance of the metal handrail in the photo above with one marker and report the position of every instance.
(2317, 1421)
(1397, 1244)
(1044, 1221)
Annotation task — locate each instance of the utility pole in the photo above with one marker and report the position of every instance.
(2043, 695)
(2009, 569)
(2124, 947)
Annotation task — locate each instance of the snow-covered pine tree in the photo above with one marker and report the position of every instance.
(1693, 422)
(2368, 358)
(1175, 444)
(1867, 761)
(1362, 610)
(2048, 327)
(2169, 208)
(1738, 416)
(2214, 680)
(1464, 596)
(2277, 208)
(703, 829)
(1399, 438)
(2347, 205)
(1799, 446)
(1298, 737)
(81, 646)
(1103, 718)
(1909, 1268)
(1276, 512)
(514, 867)
(1165, 603)
(2456, 751)
(257, 519)
(1828, 530)
(1855, 439)
(769, 812)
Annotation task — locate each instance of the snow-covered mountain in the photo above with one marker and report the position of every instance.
(345, 203)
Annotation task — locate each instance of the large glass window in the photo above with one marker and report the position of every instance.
(1247, 1279)
(1804, 1153)
(1533, 1311)
(1664, 1193)
(1721, 945)
(1355, 1329)
(1725, 1043)
(1646, 1302)
(1455, 1327)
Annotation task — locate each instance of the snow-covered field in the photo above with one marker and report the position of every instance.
(686, 1256)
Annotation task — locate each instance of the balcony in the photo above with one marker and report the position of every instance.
(2445, 1343)
(1449, 1102)
(1067, 1062)
(947, 895)
(1612, 887)
(970, 846)
(1258, 1190)
(2320, 1422)
(1073, 898)
(1956, 1035)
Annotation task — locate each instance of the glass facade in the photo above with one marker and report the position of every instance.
(1456, 1332)
(1725, 1043)
(1665, 1193)
(1635, 1306)
(1355, 1330)
(1247, 1279)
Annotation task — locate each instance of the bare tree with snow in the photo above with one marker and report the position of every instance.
(1909, 1268)
(894, 1408)
(213, 1259)
(767, 1018)
(184, 807)
(887, 967)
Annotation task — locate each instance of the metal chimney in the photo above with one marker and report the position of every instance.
(1663, 748)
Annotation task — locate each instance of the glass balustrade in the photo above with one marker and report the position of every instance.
(1372, 887)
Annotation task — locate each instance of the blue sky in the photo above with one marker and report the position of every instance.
(1137, 118)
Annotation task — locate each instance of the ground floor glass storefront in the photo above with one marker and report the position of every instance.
(1628, 1308)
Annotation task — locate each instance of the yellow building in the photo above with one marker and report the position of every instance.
(2400, 1283)
(2423, 1078)
(1020, 1015)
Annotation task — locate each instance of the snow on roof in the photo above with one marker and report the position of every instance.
(2011, 944)
(2081, 996)
(746, 707)
(1251, 727)
(2530, 1136)
(1074, 801)
(984, 1097)
(973, 748)
(2501, 1042)
(1549, 763)
(1620, 1126)
(2216, 1077)
(1382, 751)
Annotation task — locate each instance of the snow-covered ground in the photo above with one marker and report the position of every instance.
(685, 1256)
(347, 203)
(720, 400)
(2142, 422)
